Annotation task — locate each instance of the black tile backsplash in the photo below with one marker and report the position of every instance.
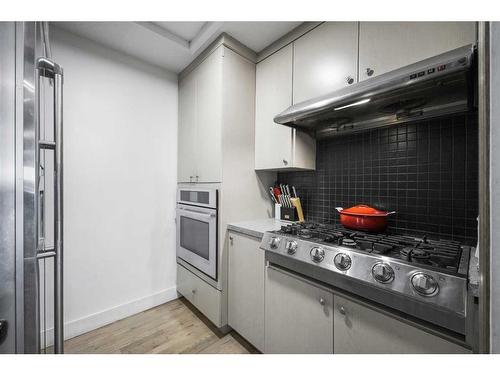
(426, 171)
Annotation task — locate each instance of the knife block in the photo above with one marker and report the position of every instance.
(289, 214)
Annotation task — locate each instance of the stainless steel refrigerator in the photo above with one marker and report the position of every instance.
(31, 195)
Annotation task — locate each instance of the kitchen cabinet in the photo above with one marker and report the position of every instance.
(246, 288)
(203, 296)
(187, 129)
(209, 118)
(385, 46)
(298, 315)
(325, 60)
(278, 146)
(361, 330)
(217, 109)
(200, 121)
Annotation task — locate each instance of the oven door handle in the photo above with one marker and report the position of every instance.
(197, 212)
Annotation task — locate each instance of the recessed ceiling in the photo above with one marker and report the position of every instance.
(173, 45)
(186, 30)
(258, 35)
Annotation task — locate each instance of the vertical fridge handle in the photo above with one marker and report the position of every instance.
(49, 69)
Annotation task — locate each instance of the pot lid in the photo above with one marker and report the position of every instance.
(365, 210)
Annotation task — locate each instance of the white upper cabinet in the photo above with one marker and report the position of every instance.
(325, 60)
(275, 145)
(200, 122)
(385, 46)
(273, 94)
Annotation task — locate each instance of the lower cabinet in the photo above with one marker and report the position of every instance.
(203, 296)
(361, 330)
(246, 288)
(278, 311)
(299, 315)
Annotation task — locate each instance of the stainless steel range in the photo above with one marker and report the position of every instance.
(420, 277)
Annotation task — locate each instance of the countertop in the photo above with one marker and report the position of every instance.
(256, 228)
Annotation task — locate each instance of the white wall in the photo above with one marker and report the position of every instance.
(120, 158)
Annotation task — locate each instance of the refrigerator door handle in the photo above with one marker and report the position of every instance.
(49, 69)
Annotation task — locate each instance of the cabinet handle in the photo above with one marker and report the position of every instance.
(193, 291)
(369, 72)
(197, 177)
(285, 161)
(322, 301)
(190, 178)
(350, 80)
(342, 310)
(231, 240)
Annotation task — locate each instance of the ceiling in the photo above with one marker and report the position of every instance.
(173, 45)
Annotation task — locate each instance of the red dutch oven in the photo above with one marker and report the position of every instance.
(363, 217)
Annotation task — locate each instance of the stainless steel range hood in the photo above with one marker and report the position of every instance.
(433, 87)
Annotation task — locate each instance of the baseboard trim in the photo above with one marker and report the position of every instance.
(99, 319)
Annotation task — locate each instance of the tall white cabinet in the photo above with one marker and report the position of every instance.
(200, 121)
(216, 149)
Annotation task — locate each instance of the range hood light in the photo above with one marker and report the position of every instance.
(352, 104)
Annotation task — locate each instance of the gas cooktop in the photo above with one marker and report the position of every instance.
(423, 277)
(441, 255)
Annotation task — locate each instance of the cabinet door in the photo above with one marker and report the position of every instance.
(273, 91)
(385, 46)
(361, 330)
(209, 118)
(246, 288)
(186, 169)
(325, 60)
(298, 315)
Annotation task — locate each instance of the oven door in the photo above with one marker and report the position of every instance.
(197, 238)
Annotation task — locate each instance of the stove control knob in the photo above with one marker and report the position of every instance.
(383, 273)
(317, 254)
(274, 242)
(424, 284)
(342, 261)
(291, 247)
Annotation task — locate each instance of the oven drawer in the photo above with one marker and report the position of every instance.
(203, 296)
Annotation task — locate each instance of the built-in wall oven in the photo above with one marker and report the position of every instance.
(197, 228)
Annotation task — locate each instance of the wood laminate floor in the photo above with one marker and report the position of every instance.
(174, 327)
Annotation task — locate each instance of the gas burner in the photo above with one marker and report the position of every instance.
(365, 245)
(349, 242)
(405, 253)
(420, 256)
(305, 233)
(382, 248)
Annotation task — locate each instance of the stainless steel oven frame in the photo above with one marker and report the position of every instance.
(202, 210)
